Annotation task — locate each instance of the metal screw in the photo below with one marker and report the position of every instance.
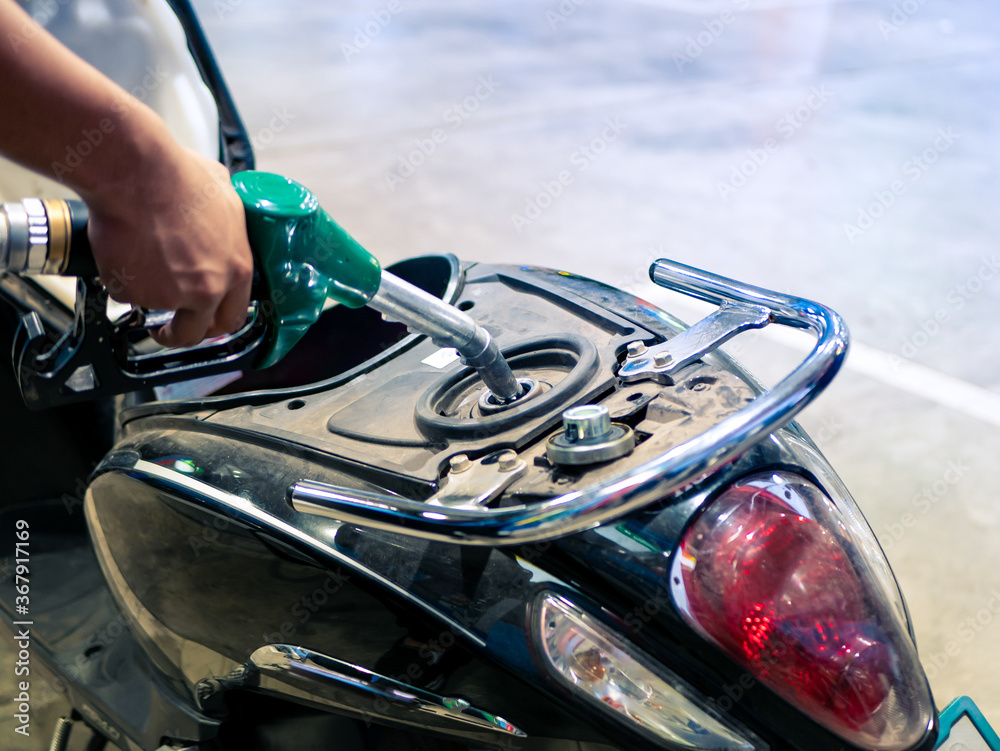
(508, 461)
(662, 359)
(636, 348)
(459, 463)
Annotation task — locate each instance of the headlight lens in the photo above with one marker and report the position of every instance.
(605, 669)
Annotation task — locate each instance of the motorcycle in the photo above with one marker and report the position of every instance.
(464, 506)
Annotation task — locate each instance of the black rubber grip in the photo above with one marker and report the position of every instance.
(81, 258)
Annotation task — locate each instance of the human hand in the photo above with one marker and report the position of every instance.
(176, 240)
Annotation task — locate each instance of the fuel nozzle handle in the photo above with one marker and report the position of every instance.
(36, 237)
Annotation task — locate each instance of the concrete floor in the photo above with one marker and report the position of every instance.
(843, 151)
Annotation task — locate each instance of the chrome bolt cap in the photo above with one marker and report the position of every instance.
(508, 461)
(588, 422)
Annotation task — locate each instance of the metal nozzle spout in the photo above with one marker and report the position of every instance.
(491, 366)
(449, 327)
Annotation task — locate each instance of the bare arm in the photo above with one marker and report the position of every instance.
(165, 225)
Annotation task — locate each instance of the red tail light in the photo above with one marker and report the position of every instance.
(772, 573)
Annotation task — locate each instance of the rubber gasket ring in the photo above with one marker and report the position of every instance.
(439, 426)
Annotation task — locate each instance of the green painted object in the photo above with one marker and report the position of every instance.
(304, 256)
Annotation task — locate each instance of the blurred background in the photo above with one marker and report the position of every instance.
(842, 151)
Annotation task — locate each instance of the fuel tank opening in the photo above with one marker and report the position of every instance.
(489, 403)
(552, 371)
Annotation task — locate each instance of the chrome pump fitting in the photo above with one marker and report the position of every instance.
(447, 326)
(589, 437)
(4, 235)
(35, 235)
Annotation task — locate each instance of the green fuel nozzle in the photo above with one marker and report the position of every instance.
(306, 257)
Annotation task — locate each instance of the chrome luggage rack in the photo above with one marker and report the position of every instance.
(742, 306)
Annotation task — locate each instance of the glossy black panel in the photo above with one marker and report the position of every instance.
(214, 582)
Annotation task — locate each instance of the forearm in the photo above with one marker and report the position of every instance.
(66, 120)
(61, 117)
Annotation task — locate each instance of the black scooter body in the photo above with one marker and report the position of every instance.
(194, 566)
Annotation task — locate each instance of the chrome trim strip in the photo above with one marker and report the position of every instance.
(300, 673)
(241, 509)
(669, 473)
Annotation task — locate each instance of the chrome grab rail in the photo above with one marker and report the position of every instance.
(674, 470)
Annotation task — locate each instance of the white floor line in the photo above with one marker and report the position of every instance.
(926, 383)
(884, 367)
